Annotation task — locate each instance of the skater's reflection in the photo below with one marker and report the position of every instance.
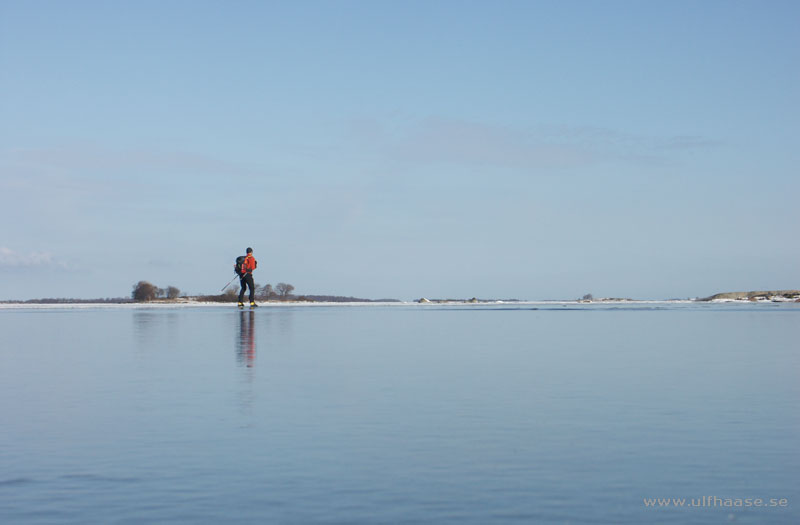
(246, 346)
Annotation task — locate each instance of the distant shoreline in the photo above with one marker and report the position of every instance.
(773, 296)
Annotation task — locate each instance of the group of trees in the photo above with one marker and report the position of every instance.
(145, 291)
(281, 291)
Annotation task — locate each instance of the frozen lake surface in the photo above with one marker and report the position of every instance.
(479, 414)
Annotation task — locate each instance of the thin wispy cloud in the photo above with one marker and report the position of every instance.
(68, 180)
(36, 260)
(453, 141)
(108, 161)
(606, 138)
(688, 142)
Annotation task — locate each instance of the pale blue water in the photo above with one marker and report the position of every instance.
(409, 414)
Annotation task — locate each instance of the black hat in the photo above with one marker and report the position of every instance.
(249, 250)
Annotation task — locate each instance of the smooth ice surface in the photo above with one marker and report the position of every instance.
(559, 413)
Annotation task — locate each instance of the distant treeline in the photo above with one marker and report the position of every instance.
(281, 292)
(340, 299)
(64, 300)
(232, 295)
(144, 291)
(229, 297)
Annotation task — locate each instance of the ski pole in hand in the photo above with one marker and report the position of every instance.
(229, 282)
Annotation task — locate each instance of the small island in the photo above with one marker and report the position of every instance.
(777, 296)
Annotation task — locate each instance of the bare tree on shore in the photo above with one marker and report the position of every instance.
(266, 291)
(284, 289)
(143, 291)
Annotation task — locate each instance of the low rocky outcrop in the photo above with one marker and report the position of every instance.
(764, 295)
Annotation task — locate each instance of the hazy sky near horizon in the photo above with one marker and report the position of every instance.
(533, 150)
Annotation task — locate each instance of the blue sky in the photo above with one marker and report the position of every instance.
(532, 150)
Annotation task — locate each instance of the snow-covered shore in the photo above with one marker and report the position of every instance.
(763, 296)
(289, 304)
(784, 296)
(172, 305)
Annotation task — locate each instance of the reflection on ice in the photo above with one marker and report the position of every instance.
(152, 325)
(246, 344)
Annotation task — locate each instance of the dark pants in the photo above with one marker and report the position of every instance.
(247, 280)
